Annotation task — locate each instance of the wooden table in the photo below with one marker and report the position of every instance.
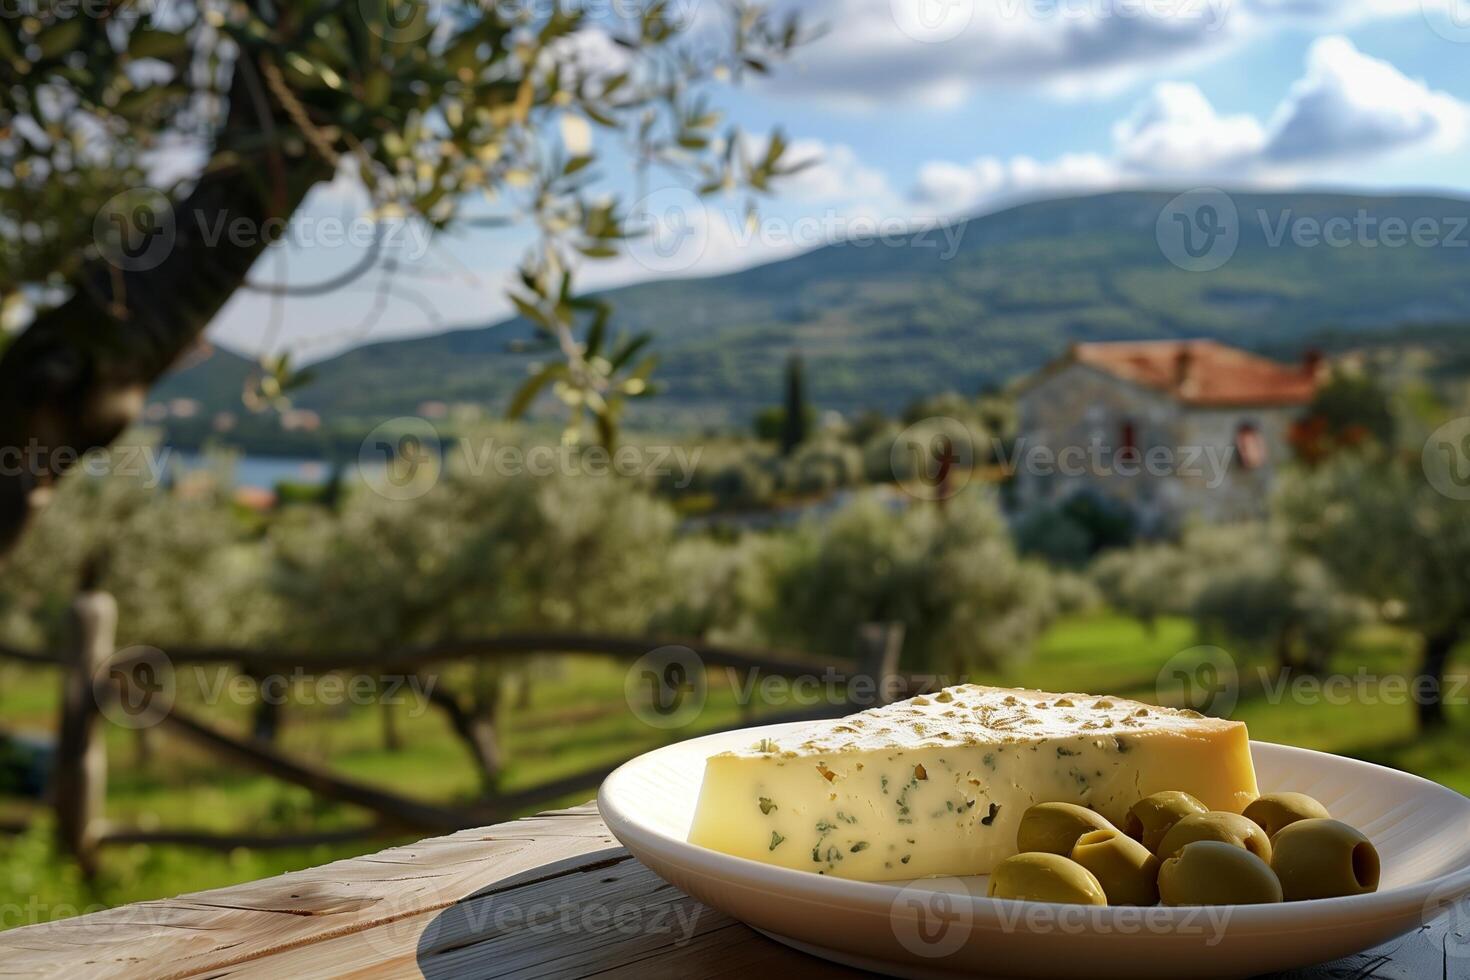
(550, 896)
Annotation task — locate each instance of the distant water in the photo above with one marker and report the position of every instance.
(262, 472)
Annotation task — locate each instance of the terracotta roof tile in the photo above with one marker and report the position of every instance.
(1202, 372)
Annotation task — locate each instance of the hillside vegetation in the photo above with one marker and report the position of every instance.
(881, 324)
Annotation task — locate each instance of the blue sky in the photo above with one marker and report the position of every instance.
(921, 110)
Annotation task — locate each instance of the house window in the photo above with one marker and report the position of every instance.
(1128, 443)
(1250, 446)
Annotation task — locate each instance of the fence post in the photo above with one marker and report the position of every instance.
(81, 752)
(879, 646)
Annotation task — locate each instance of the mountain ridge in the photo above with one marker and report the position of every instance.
(879, 325)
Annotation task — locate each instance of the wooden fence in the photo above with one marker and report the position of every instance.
(94, 673)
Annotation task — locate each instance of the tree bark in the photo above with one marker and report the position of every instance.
(1319, 657)
(525, 690)
(1429, 684)
(145, 747)
(480, 735)
(474, 721)
(77, 377)
(392, 738)
(1286, 662)
(266, 726)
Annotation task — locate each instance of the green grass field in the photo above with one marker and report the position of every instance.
(576, 719)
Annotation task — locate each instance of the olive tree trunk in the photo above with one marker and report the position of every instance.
(1429, 684)
(474, 719)
(77, 377)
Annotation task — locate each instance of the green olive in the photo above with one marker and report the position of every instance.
(1053, 828)
(1128, 873)
(1321, 858)
(1153, 816)
(1217, 825)
(1209, 872)
(1276, 810)
(1041, 877)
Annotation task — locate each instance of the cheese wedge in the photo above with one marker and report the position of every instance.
(936, 785)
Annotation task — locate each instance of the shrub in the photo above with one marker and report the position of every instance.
(1074, 594)
(739, 476)
(1276, 601)
(184, 567)
(1051, 535)
(1242, 583)
(1075, 531)
(950, 575)
(877, 450)
(720, 591)
(476, 555)
(1146, 581)
(1394, 536)
(822, 466)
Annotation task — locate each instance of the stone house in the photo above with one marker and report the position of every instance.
(1176, 430)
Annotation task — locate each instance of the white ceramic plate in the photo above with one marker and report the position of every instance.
(945, 927)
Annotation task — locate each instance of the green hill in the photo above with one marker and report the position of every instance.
(880, 325)
(211, 374)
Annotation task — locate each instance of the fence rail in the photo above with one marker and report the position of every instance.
(778, 663)
(8, 652)
(92, 672)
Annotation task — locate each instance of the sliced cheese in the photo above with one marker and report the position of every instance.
(936, 785)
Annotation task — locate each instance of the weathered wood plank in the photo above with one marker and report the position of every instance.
(734, 951)
(608, 915)
(207, 932)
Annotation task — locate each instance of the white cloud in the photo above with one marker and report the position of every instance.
(1350, 103)
(1336, 13)
(834, 173)
(1175, 129)
(1346, 108)
(947, 189)
(937, 51)
(836, 197)
(825, 173)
